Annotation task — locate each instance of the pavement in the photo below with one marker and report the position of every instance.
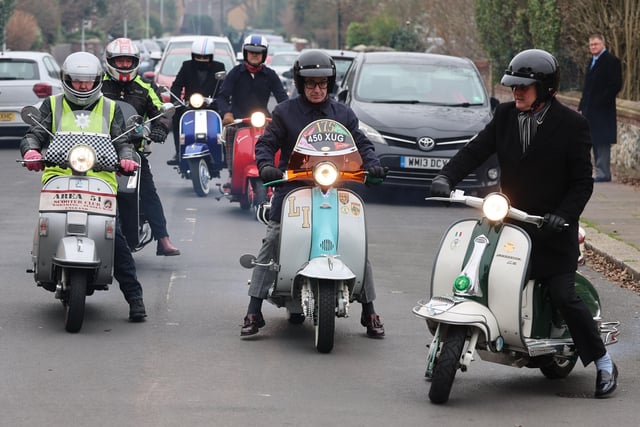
(611, 220)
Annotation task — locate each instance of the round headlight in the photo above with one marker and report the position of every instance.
(81, 158)
(196, 100)
(495, 207)
(258, 119)
(325, 174)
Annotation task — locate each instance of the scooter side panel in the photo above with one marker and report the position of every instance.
(295, 237)
(195, 122)
(506, 280)
(352, 236)
(244, 158)
(450, 257)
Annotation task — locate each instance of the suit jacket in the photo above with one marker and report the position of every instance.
(598, 104)
(192, 80)
(552, 176)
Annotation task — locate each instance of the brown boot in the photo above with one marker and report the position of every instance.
(166, 248)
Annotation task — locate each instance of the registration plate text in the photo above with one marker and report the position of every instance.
(409, 162)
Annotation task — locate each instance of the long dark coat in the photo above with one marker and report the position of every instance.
(598, 104)
(553, 176)
(188, 78)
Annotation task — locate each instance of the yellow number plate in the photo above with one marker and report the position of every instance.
(7, 116)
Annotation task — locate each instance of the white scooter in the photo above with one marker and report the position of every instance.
(482, 302)
(323, 243)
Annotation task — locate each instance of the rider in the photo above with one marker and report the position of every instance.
(247, 88)
(314, 75)
(81, 75)
(196, 75)
(532, 134)
(122, 82)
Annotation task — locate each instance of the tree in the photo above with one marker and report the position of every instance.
(6, 9)
(23, 32)
(47, 15)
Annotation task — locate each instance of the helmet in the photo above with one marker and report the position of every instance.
(203, 46)
(314, 63)
(119, 48)
(257, 44)
(534, 66)
(85, 67)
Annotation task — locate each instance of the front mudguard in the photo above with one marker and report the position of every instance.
(459, 311)
(76, 251)
(328, 268)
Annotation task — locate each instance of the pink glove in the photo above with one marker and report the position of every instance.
(33, 165)
(128, 165)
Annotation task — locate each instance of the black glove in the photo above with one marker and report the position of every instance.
(270, 173)
(440, 186)
(376, 174)
(158, 134)
(554, 223)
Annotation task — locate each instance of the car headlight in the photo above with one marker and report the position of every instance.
(81, 158)
(196, 100)
(495, 207)
(258, 119)
(325, 174)
(371, 133)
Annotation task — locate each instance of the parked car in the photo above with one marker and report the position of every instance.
(150, 54)
(26, 78)
(419, 109)
(282, 62)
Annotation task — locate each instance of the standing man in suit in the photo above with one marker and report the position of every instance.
(537, 133)
(602, 82)
(197, 75)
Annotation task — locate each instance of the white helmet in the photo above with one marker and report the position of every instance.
(119, 48)
(256, 44)
(81, 66)
(203, 46)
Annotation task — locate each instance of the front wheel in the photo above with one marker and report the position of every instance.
(447, 364)
(200, 176)
(77, 294)
(325, 315)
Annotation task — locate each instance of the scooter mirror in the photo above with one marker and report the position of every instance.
(247, 261)
(167, 110)
(30, 115)
(135, 121)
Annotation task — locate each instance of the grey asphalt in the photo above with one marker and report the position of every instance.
(611, 220)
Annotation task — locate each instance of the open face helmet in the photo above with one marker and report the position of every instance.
(203, 47)
(537, 67)
(256, 44)
(314, 63)
(81, 66)
(118, 48)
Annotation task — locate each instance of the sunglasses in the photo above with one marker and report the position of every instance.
(311, 84)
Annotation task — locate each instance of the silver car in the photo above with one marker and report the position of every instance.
(26, 78)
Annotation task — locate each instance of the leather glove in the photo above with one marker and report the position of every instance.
(376, 174)
(440, 186)
(33, 165)
(270, 173)
(128, 166)
(227, 119)
(554, 223)
(158, 134)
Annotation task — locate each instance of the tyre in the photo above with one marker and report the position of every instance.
(325, 315)
(559, 367)
(77, 294)
(447, 364)
(200, 176)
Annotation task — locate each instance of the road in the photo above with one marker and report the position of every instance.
(188, 366)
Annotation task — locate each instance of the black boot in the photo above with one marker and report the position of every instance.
(137, 313)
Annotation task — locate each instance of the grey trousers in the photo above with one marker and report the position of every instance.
(262, 277)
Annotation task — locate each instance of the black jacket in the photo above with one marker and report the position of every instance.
(598, 103)
(196, 80)
(552, 176)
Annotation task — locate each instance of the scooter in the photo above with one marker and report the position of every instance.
(200, 154)
(245, 185)
(323, 247)
(482, 302)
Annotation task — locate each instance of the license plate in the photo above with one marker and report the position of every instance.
(436, 163)
(7, 116)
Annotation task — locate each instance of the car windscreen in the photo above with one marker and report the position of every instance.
(173, 61)
(435, 84)
(18, 69)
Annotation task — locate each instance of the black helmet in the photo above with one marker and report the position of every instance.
(534, 66)
(314, 63)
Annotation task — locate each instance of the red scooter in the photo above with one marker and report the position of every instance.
(244, 185)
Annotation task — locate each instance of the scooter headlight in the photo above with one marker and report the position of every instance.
(325, 174)
(81, 158)
(258, 119)
(495, 207)
(196, 100)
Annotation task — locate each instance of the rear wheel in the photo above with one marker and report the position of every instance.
(447, 364)
(200, 176)
(325, 315)
(77, 294)
(560, 367)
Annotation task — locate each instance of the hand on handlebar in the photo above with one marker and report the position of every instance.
(269, 173)
(128, 166)
(35, 163)
(376, 174)
(440, 186)
(227, 119)
(554, 223)
(158, 134)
